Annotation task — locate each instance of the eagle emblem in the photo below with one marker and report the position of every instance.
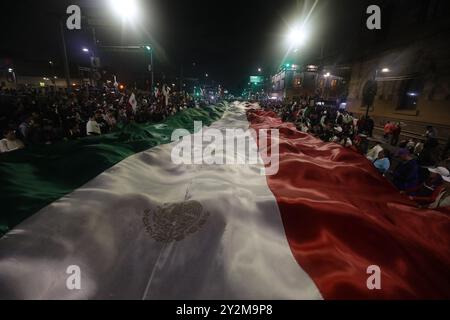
(174, 221)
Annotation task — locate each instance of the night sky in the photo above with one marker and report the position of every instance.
(227, 39)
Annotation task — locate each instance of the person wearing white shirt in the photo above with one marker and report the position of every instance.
(373, 153)
(10, 143)
(443, 199)
(92, 127)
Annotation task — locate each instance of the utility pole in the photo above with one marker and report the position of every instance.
(151, 64)
(66, 60)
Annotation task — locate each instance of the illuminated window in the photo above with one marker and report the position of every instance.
(321, 83)
(410, 91)
(333, 83)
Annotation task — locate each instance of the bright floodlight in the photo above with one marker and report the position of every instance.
(385, 70)
(297, 36)
(126, 9)
(259, 69)
(327, 75)
(85, 50)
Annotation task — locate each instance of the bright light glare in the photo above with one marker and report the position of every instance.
(385, 70)
(85, 50)
(126, 9)
(297, 36)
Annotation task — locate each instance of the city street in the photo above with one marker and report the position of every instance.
(233, 157)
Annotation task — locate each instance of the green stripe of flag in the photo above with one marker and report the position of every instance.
(34, 177)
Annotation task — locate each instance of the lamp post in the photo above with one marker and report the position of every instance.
(150, 49)
(53, 72)
(66, 60)
(86, 50)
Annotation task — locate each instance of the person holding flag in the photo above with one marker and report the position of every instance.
(166, 92)
(133, 102)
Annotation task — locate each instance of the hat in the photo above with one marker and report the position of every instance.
(402, 152)
(441, 171)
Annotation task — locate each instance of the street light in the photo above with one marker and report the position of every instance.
(85, 50)
(151, 69)
(126, 9)
(296, 37)
(259, 69)
(383, 70)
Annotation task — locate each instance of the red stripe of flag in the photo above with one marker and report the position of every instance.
(341, 216)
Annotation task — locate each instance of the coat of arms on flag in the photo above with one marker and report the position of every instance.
(174, 221)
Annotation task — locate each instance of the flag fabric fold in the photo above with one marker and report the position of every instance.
(34, 177)
(140, 226)
(341, 216)
(148, 228)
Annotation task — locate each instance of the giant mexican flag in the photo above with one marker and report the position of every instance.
(140, 226)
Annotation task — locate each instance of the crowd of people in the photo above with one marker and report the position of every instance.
(417, 167)
(46, 115)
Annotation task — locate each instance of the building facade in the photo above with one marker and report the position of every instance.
(294, 81)
(402, 73)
